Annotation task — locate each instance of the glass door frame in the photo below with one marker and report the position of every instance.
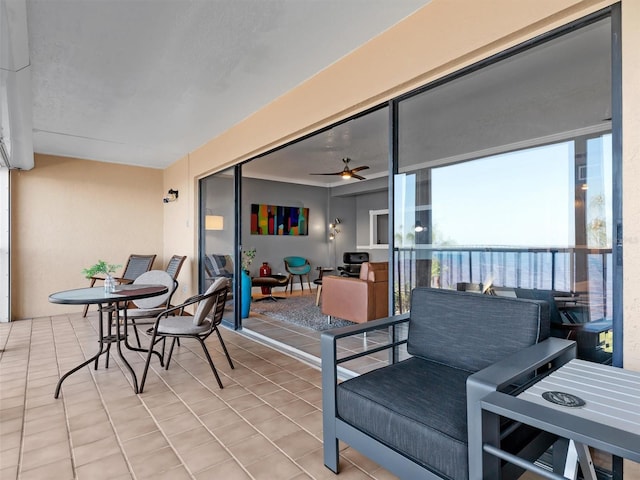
(614, 13)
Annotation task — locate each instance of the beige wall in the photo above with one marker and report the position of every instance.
(180, 226)
(69, 213)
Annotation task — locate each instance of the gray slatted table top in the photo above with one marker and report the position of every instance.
(611, 395)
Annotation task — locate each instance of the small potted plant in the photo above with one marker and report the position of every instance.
(103, 268)
(247, 258)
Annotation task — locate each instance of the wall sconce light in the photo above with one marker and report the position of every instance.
(172, 196)
(333, 230)
(214, 222)
(419, 227)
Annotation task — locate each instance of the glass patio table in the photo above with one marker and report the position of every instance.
(108, 302)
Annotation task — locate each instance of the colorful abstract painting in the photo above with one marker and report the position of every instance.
(276, 220)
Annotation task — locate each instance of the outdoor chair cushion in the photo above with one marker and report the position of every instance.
(401, 406)
(447, 332)
(182, 325)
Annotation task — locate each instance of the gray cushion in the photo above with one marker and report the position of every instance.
(134, 313)
(222, 265)
(182, 325)
(154, 277)
(471, 331)
(205, 306)
(416, 407)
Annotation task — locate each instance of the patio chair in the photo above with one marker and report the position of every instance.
(174, 265)
(148, 308)
(420, 417)
(297, 266)
(198, 326)
(136, 266)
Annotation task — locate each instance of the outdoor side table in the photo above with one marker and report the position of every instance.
(597, 405)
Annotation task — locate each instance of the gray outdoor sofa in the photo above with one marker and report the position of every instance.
(411, 416)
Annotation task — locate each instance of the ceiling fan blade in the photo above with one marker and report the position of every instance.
(357, 169)
(355, 175)
(335, 173)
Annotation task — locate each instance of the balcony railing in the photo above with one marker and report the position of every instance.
(580, 271)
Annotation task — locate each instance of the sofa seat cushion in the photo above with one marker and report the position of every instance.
(416, 407)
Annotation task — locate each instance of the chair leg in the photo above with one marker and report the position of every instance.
(224, 347)
(173, 342)
(213, 368)
(308, 282)
(318, 292)
(148, 361)
(301, 284)
(135, 330)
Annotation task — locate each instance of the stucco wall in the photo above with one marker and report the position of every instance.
(69, 213)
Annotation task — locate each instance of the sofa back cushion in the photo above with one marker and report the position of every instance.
(470, 330)
(375, 272)
(221, 265)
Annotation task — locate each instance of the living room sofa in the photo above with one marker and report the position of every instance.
(420, 417)
(358, 299)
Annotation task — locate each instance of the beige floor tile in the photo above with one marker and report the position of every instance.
(90, 452)
(204, 456)
(276, 428)
(44, 438)
(91, 434)
(229, 470)
(145, 444)
(220, 419)
(235, 433)
(42, 456)
(158, 461)
(252, 449)
(179, 423)
(8, 473)
(58, 470)
(107, 468)
(135, 428)
(298, 444)
(274, 466)
(9, 457)
(207, 405)
(177, 473)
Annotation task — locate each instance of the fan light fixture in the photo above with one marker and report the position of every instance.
(346, 173)
(419, 228)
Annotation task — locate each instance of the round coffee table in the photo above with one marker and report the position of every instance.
(269, 282)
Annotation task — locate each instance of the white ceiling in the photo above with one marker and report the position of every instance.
(144, 82)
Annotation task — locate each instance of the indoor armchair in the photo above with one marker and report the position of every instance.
(358, 299)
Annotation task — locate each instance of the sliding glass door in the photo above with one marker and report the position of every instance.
(505, 185)
(217, 234)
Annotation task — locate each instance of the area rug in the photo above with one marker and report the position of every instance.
(300, 311)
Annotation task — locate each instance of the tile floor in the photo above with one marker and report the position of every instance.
(265, 424)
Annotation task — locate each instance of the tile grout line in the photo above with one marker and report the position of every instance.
(102, 401)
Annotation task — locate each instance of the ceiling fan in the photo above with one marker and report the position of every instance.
(347, 172)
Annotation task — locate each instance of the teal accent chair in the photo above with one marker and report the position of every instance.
(297, 266)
